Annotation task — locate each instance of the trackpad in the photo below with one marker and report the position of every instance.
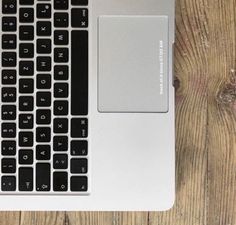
(133, 64)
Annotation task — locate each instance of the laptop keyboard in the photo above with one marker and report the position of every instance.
(44, 97)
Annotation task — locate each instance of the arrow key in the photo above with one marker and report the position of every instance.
(79, 183)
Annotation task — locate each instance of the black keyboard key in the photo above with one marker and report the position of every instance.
(44, 28)
(8, 41)
(60, 108)
(43, 152)
(61, 37)
(79, 148)
(9, 6)
(26, 139)
(8, 165)
(60, 143)
(8, 76)
(44, 46)
(8, 94)
(60, 181)
(26, 33)
(61, 55)
(8, 148)
(61, 90)
(61, 20)
(26, 68)
(8, 112)
(79, 183)
(43, 134)
(9, 24)
(43, 177)
(44, 11)
(79, 166)
(44, 81)
(79, 17)
(60, 125)
(26, 121)
(79, 127)
(26, 103)
(8, 59)
(26, 50)
(8, 130)
(26, 2)
(26, 86)
(8, 183)
(60, 161)
(44, 63)
(43, 116)
(25, 179)
(26, 15)
(43, 99)
(79, 2)
(61, 72)
(79, 73)
(61, 4)
(26, 157)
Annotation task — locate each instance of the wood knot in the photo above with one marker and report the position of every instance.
(176, 83)
(227, 95)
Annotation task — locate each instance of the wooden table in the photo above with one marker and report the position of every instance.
(205, 67)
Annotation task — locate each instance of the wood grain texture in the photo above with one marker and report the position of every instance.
(7, 218)
(221, 206)
(205, 67)
(42, 218)
(107, 218)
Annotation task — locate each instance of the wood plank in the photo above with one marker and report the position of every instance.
(107, 218)
(222, 114)
(9, 218)
(191, 65)
(42, 218)
(87, 218)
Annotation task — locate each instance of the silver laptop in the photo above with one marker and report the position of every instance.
(87, 105)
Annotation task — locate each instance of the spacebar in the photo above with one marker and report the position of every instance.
(79, 72)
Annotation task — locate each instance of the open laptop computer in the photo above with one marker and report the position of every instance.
(87, 105)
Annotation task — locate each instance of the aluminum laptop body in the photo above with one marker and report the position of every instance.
(131, 112)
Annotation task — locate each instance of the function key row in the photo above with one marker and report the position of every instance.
(10, 6)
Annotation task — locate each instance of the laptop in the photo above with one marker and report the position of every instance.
(87, 105)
